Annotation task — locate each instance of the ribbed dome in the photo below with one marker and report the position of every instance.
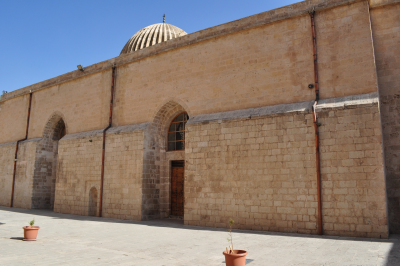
(152, 35)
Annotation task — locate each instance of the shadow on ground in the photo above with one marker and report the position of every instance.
(393, 256)
(247, 261)
(17, 238)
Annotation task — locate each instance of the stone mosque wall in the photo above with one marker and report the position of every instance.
(24, 174)
(78, 170)
(259, 165)
(353, 180)
(13, 115)
(386, 33)
(7, 153)
(250, 141)
(124, 172)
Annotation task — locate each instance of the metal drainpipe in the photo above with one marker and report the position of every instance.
(316, 124)
(16, 149)
(104, 141)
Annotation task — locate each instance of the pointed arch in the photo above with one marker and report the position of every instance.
(53, 125)
(174, 100)
(162, 119)
(44, 180)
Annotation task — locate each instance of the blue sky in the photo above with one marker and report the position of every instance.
(45, 39)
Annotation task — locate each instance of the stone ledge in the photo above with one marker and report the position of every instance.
(113, 130)
(354, 101)
(31, 140)
(128, 128)
(82, 135)
(379, 3)
(274, 110)
(13, 143)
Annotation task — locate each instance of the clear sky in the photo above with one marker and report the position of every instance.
(44, 39)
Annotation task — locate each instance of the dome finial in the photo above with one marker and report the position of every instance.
(163, 19)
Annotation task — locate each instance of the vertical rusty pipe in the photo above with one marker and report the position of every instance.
(314, 40)
(104, 141)
(315, 120)
(318, 166)
(16, 150)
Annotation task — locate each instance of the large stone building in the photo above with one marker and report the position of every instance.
(286, 121)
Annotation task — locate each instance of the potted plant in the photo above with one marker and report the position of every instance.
(234, 257)
(30, 232)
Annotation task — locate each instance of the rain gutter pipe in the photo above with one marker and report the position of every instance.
(104, 141)
(316, 124)
(16, 150)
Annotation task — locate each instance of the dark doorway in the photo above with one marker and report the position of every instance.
(177, 187)
(93, 202)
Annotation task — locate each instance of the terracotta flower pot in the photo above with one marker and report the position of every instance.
(236, 259)
(30, 233)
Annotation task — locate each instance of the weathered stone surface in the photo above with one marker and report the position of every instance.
(352, 101)
(303, 107)
(123, 174)
(24, 174)
(78, 170)
(386, 32)
(352, 171)
(250, 141)
(127, 128)
(260, 171)
(7, 153)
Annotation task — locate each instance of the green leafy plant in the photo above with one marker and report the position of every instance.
(31, 223)
(230, 249)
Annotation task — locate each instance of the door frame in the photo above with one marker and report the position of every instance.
(170, 187)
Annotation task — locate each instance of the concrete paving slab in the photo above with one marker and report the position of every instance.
(81, 240)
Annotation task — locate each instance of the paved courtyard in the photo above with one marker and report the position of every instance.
(80, 240)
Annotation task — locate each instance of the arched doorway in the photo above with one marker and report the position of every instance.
(44, 179)
(92, 202)
(164, 147)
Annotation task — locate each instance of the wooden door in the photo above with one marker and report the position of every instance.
(177, 187)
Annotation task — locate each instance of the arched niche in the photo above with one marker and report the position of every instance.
(44, 179)
(93, 202)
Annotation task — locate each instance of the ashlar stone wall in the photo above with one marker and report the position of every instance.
(123, 174)
(352, 172)
(386, 33)
(24, 174)
(258, 169)
(7, 154)
(13, 113)
(258, 166)
(78, 170)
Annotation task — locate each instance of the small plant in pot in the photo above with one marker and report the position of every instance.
(234, 257)
(31, 231)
